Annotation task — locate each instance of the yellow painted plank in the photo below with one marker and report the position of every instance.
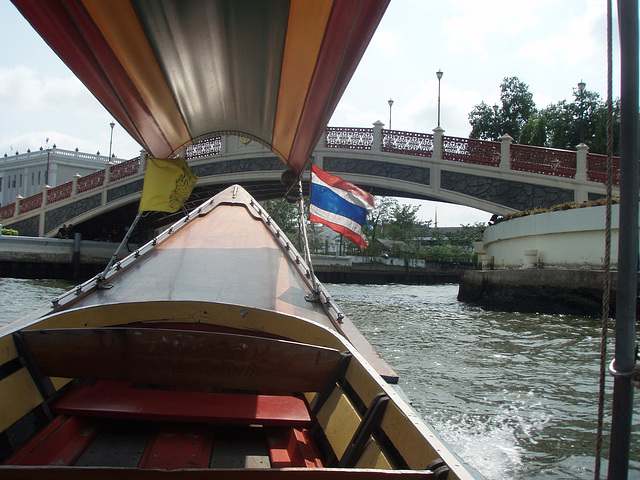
(374, 457)
(119, 23)
(7, 349)
(305, 33)
(18, 396)
(194, 312)
(339, 420)
(362, 382)
(410, 442)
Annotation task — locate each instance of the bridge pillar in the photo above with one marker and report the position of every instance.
(438, 133)
(581, 162)
(143, 161)
(45, 195)
(107, 172)
(377, 136)
(19, 199)
(74, 190)
(505, 152)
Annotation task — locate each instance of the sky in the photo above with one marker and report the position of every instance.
(550, 45)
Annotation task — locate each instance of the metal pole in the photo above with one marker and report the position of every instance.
(115, 255)
(439, 75)
(390, 102)
(625, 355)
(112, 124)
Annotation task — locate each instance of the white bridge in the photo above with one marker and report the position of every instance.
(497, 177)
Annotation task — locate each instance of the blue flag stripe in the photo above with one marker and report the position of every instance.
(328, 200)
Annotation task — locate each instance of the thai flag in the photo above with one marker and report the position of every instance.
(339, 205)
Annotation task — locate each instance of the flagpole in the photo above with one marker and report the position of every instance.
(303, 229)
(114, 257)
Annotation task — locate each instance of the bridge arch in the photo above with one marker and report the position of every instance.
(497, 177)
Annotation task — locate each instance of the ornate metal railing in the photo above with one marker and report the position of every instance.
(352, 138)
(407, 143)
(205, 148)
(470, 150)
(560, 163)
(31, 203)
(8, 211)
(61, 192)
(124, 169)
(597, 168)
(91, 181)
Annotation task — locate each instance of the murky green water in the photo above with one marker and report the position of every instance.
(515, 395)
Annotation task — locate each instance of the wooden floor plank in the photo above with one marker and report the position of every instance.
(119, 444)
(240, 448)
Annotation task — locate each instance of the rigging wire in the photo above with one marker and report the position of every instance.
(606, 296)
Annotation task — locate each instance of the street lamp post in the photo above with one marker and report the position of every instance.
(495, 120)
(581, 87)
(112, 124)
(390, 102)
(439, 75)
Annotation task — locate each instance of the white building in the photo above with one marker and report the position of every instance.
(26, 174)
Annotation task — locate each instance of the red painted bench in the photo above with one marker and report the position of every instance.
(181, 406)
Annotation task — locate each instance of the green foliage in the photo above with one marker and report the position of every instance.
(517, 107)
(559, 125)
(285, 215)
(10, 232)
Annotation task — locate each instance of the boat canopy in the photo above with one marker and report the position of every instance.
(172, 72)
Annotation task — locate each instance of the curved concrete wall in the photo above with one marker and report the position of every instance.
(567, 239)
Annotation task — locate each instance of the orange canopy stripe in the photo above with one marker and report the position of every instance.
(172, 72)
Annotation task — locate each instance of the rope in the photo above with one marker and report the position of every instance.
(606, 295)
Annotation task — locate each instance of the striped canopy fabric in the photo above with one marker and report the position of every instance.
(176, 71)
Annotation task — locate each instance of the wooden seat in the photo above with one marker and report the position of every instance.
(182, 406)
(181, 358)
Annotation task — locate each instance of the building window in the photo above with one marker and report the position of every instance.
(38, 178)
(33, 178)
(13, 185)
(20, 180)
(1, 183)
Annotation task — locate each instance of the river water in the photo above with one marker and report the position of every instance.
(515, 395)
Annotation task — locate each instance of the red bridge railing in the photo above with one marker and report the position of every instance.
(546, 161)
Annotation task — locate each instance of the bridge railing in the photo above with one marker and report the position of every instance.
(352, 138)
(407, 143)
(470, 150)
(597, 168)
(525, 158)
(545, 161)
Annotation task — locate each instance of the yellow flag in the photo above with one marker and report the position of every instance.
(167, 185)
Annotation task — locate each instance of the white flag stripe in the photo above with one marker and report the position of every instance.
(335, 218)
(348, 196)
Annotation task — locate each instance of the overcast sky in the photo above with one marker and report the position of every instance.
(549, 44)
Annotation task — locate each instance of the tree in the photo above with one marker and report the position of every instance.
(380, 217)
(516, 108)
(564, 122)
(285, 215)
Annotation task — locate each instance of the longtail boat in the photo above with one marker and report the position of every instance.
(211, 351)
(207, 350)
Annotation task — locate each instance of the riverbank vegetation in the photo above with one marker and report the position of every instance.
(393, 230)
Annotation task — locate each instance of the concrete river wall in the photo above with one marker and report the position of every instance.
(550, 262)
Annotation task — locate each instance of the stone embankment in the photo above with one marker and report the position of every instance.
(549, 263)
